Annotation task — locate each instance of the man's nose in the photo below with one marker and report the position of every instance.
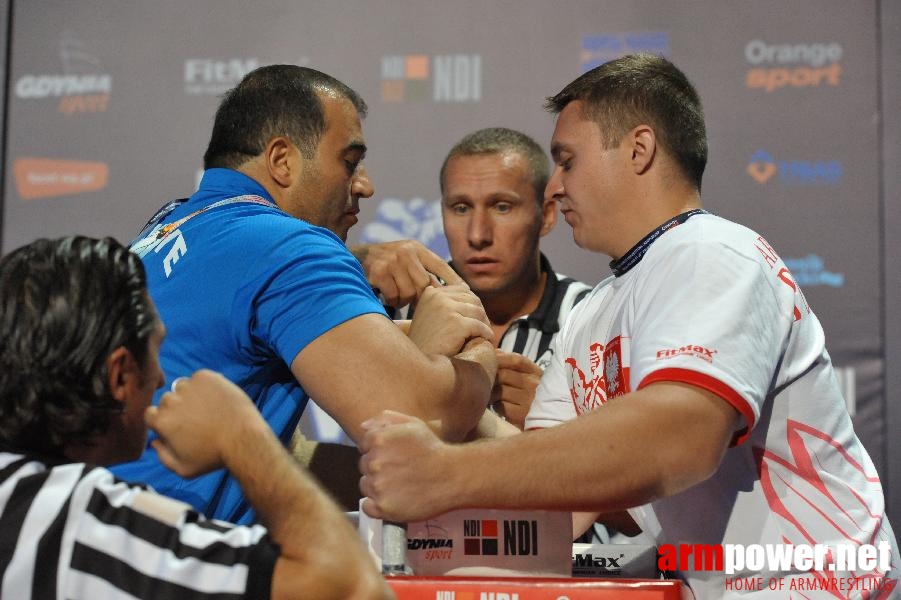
(480, 229)
(554, 188)
(361, 186)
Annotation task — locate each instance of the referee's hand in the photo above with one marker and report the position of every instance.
(515, 385)
(200, 420)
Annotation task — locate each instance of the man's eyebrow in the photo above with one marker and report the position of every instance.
(556, 149)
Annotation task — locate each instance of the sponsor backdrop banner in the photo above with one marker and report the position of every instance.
(110, 107)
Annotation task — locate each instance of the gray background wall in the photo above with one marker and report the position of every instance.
(108, 109)
(890, 38)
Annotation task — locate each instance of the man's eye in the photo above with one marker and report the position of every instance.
(503, 207)
(459, 209)
(351, 166)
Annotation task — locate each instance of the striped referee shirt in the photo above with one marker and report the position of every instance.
(72, 531)
(531, 335)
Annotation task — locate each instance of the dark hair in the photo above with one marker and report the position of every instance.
(271, 101)
(499, 140)
(643, 88)
(65, 305)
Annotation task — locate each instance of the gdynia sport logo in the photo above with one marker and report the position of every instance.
(837, 567)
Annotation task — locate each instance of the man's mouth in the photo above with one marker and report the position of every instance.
(481, 264)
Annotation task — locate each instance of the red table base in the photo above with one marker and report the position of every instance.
(478, 588)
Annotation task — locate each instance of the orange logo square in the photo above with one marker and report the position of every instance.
(417, 66)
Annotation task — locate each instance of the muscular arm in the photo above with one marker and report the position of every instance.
(647, 445)
(208, 423)
(317, 540)
(367, 364)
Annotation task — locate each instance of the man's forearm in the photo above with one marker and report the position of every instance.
(475, 368)
(325, 555)
(536, 471)
(491, 425)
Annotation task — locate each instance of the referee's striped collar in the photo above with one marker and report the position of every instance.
(546, 314)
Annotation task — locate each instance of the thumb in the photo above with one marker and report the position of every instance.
(166, 456)
(371, 508)
(151, 415)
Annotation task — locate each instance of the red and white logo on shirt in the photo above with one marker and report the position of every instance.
(608, 375)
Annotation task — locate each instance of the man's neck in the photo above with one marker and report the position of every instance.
(655, 208)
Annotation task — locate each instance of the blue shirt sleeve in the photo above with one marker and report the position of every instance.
(315, 285)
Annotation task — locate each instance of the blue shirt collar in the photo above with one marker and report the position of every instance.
(221, 183)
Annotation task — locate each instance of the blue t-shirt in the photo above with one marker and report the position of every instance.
(242, 288)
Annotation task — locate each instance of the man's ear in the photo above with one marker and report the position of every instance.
(282, 160)
(124, 373)
(548, 216)
(643, 143)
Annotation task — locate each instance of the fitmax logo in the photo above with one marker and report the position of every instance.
(763, 167)
(689, 350)
(587, 563)
(440, 78)
(205, 76)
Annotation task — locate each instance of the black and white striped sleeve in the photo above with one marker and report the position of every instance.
(85, 534)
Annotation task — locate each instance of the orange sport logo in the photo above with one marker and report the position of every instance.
(46, 178)
(779, 66)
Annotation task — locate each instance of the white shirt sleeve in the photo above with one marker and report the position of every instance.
(713, 317)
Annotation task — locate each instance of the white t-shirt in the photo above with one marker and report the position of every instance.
(712, 304)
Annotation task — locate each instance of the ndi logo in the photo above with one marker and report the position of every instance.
(600, 48)
(763, 167)
(417, 219)
(441, 78)
(481, 537)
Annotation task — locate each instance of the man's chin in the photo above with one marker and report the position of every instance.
(340, 231)
(485, 287)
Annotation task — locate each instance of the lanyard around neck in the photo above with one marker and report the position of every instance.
(153, 234)
(637, 252)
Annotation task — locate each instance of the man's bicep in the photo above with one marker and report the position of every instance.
(359, 368)
(691, 426)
